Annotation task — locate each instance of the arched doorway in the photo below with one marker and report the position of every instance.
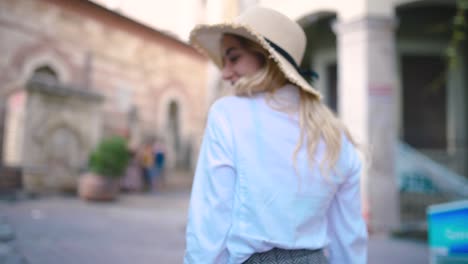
(320, 54)
(433, 97)
(45, 71)
(433, 112)
(173, 128)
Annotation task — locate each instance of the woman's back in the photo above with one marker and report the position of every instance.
(259, 192)
(275, 202)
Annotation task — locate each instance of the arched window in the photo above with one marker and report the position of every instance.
(174, 124)
(45, 71)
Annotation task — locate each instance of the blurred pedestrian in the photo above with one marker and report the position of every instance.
(159, 152)
(277, 179)
(132, 180)
(146, 159)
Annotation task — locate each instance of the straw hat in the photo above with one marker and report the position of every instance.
(283, 38)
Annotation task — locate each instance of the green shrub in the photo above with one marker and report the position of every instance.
(110, 158)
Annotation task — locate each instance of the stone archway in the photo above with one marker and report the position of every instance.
(62, 125)
(321, 55)
(31, 61)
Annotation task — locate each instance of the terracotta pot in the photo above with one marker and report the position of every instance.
(95, 187)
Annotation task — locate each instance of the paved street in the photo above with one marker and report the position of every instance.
(138, 229)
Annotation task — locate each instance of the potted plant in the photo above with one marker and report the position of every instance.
(107, 164)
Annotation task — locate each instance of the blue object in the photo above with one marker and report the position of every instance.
(448, 231)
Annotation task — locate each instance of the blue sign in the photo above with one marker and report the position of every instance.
(448, 230)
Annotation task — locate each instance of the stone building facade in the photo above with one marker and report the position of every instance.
(384, 70)
(152, 85)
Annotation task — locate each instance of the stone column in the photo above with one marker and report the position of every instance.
(456, 114)
(367, 87)
(245, 4)
(2, 128)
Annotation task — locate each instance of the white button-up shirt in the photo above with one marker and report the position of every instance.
(249, 195)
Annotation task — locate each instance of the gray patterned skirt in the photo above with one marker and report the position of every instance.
(283, 256)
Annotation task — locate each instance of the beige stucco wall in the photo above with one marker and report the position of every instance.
(345, 9)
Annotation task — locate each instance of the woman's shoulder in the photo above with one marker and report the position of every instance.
(229, 102)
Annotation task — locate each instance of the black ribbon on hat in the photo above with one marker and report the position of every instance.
(309, 75)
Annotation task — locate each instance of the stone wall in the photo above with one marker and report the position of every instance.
(140, 71)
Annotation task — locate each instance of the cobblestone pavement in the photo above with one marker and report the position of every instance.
(138, 229)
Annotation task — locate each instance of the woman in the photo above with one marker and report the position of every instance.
(277, 180)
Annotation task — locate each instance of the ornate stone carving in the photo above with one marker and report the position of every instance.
(62, 126)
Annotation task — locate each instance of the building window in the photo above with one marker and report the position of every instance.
(45, 72)
(424, 102)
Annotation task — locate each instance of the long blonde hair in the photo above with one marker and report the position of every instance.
(316, 120)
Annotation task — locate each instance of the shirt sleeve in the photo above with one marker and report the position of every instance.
(346, 226)
(210, 209)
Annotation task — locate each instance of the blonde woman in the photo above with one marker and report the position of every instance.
(277, 180)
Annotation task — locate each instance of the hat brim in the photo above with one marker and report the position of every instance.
(207, 39)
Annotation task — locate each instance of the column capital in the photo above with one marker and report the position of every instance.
(375, 23)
